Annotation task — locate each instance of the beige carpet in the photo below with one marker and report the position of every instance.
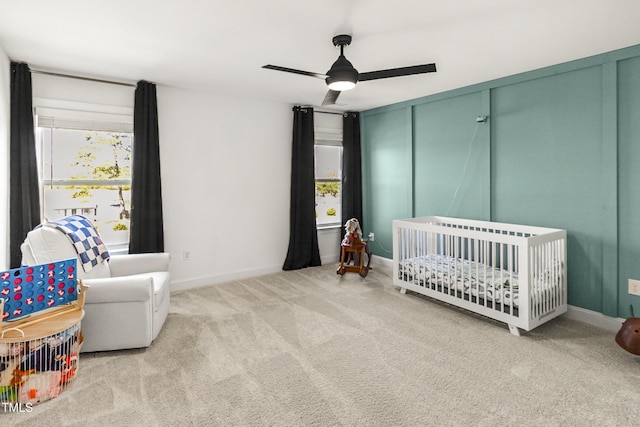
(311, 348)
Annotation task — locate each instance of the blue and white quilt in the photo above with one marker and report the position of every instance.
(86, 240)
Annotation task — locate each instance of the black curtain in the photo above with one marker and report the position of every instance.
(351, 168)
(147, 232)
(24, 200)
(303, 235)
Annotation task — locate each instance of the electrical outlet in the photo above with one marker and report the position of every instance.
(186, 255)
(634, 287)
(372, 237)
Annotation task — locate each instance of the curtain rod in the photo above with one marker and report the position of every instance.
(328, 112)
(325, 112)
(343, 114)
(69, 76)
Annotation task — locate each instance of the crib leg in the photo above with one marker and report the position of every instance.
(514, 330)
(403, 291)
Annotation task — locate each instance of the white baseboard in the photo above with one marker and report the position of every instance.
(382, 260)
(204, 281)
(330, 259)
(594, 318)
(239, 275)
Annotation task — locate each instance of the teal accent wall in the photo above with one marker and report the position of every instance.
(559, 149)
(387, 174)
(628, 181)
(458, 187)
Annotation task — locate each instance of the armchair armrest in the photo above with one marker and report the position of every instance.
(118, 289)
(127, 265)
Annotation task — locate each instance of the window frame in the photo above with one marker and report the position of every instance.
(69, 115)
(329, 136)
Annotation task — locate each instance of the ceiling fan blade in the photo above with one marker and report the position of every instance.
(397, 72)
(294, 71)
(331, 97)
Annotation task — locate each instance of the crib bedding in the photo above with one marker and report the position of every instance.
(448, 274)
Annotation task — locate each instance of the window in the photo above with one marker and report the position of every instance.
(328, 169)
(328, 164)
(85, 169)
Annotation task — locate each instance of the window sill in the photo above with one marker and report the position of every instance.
(118, 249)
(328, 227)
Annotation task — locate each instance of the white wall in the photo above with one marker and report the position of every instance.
(226, 166)
(5, 86)
(226, 169)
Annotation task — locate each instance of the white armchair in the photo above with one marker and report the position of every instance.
(128, 298)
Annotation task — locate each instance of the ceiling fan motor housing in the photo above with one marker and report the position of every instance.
(342, 75)
(342, 71)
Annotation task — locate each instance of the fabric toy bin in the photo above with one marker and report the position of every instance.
(39, 351)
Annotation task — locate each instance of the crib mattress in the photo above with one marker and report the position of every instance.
(454, 275)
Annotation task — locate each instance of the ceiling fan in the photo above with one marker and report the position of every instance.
(342, 76)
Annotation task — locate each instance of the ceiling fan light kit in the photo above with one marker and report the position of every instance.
(343, 76)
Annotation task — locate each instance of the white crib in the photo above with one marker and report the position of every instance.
(515, 274)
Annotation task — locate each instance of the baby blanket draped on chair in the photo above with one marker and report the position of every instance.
(86, 241)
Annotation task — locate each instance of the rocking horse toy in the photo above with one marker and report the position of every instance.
(353, 250)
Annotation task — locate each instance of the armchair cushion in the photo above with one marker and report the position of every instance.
(120, 289)
(127, 265)
(158, 285)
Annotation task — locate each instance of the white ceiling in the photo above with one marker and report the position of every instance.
(219, 46)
